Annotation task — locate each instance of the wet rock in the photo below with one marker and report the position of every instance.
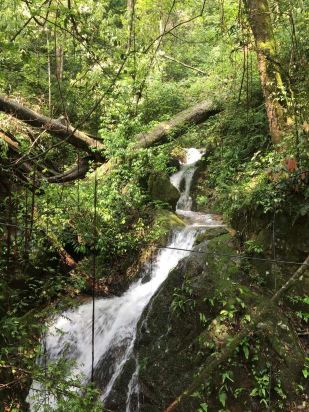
(174, 341)
(210, 234)
(160, 188)
(117, 398)
(174, 163)
(166, 345)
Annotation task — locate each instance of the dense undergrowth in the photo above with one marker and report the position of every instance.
(244, 171)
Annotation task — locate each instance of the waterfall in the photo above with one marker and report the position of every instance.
(116, 318)
(186, 174)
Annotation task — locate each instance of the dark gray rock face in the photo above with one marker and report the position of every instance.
(166, 362)
(162, 345)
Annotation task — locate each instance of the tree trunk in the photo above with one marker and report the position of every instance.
(177, 125)
(271, 80)
(174, 127)
(59, 63)
(65, 132)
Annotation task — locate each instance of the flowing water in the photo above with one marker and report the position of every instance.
(116, 318)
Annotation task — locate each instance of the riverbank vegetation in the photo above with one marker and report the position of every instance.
(97, 102)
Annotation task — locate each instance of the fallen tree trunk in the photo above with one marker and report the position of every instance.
(174, 127)
(230, 346)
(26, 167)
(12, 144)
(65, 132)
(177, 125)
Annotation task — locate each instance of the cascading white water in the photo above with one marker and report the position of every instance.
(116, 318)
(186, 173)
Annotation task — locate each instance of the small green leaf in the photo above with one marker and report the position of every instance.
(226, 376)
(246, 351)
(254, 392)
(203, 407)
(223, 398)
(248, 318)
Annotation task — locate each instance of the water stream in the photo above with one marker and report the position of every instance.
(116, 318)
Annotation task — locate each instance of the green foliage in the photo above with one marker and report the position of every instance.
(183, 300)
(57, 383)
(252, 246)
(203, 407)
(245, 174)
(162, 101)
(306, 368)
(261, 386)
(301, 304)
(109, 71)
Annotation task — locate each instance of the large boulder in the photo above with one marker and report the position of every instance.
(160, 188)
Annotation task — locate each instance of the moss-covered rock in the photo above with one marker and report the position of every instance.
(164, 221)
(167, 348)
(206, 300)
(160, 188)
(210, 234)
(168, 220)
(200, 306)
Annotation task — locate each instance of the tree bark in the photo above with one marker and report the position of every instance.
(177, 125)
(65, 132)
(77, 172)
(271, 81)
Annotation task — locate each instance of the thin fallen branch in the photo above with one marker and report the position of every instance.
(24, 169)
(230, 346)
(23, 163)
(12, 144)
(32, 17)
(79, 171)
(33, 144)
(166, 56)
(52, 238)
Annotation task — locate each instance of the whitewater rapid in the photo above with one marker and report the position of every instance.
(116, 318)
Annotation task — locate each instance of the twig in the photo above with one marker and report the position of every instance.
(175, 27)
(18, 161)
(166, 56)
